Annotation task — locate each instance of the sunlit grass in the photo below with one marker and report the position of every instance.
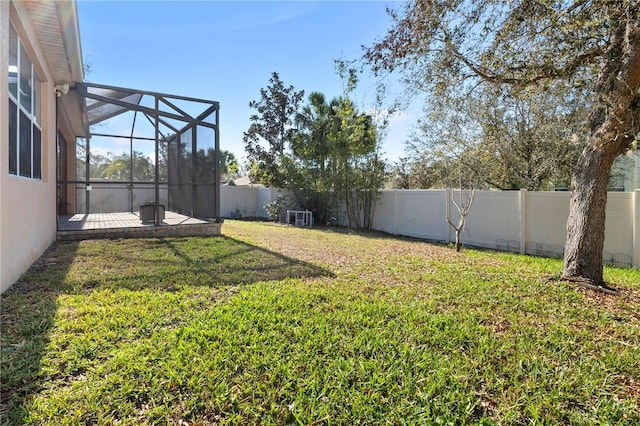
(279, 325)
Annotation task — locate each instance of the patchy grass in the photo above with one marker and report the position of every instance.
(278, 325)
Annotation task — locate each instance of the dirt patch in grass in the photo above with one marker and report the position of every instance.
(615, 304)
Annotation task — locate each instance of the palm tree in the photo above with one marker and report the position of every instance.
(314, 138)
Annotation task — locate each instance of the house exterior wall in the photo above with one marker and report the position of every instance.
(632, 178)
(4, 129)
(625, 173)
(27, 206)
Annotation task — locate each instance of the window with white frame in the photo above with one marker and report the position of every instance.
(25, 133)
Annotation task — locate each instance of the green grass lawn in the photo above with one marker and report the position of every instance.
(277, 325)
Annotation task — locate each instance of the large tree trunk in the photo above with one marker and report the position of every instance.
(585, 226)
(613, 127)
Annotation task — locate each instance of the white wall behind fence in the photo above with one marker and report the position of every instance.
(524, 220)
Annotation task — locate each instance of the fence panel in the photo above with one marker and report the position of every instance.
(618, 242)
(237, 200)
(493, 216)
(384, 214)
(110, 198)
(546, 217)
(422, 214)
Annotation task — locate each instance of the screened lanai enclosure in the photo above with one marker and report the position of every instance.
(144, 153)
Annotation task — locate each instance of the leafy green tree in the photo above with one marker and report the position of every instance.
(228, 164)
(326, 154)
(206, 165)
(271, 131)
(97, 162)
(533, 137)
(313, 157)
(512, 139)
(359, 170)
(119, 167)
(335, 165)
(444, 45)
(419, 170)
(316, 123)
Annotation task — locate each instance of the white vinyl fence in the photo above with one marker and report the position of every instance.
(519, 221)
(245, 201)
(105, 198)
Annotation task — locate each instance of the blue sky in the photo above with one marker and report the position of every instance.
(226, 51)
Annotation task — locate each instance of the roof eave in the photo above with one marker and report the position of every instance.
(71, 36)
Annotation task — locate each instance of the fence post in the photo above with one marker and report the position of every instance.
(635, 206)
(273, 195)
(395, 211)
(256, 199)
(447, 213)
(522, 217)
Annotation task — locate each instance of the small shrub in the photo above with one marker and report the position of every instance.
(275, 207)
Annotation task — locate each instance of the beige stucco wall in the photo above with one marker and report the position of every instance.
(4, 131)
(27, 206)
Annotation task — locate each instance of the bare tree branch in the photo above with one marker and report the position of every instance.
(540, 72)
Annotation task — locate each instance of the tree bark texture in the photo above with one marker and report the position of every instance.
(458, 241)
(613, 128)
(587, 212)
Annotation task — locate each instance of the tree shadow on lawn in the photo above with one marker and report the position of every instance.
(202, 261)
(28, 309)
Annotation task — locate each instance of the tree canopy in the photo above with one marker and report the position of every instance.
(325, 152)
(510, 139)
(271, 130)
